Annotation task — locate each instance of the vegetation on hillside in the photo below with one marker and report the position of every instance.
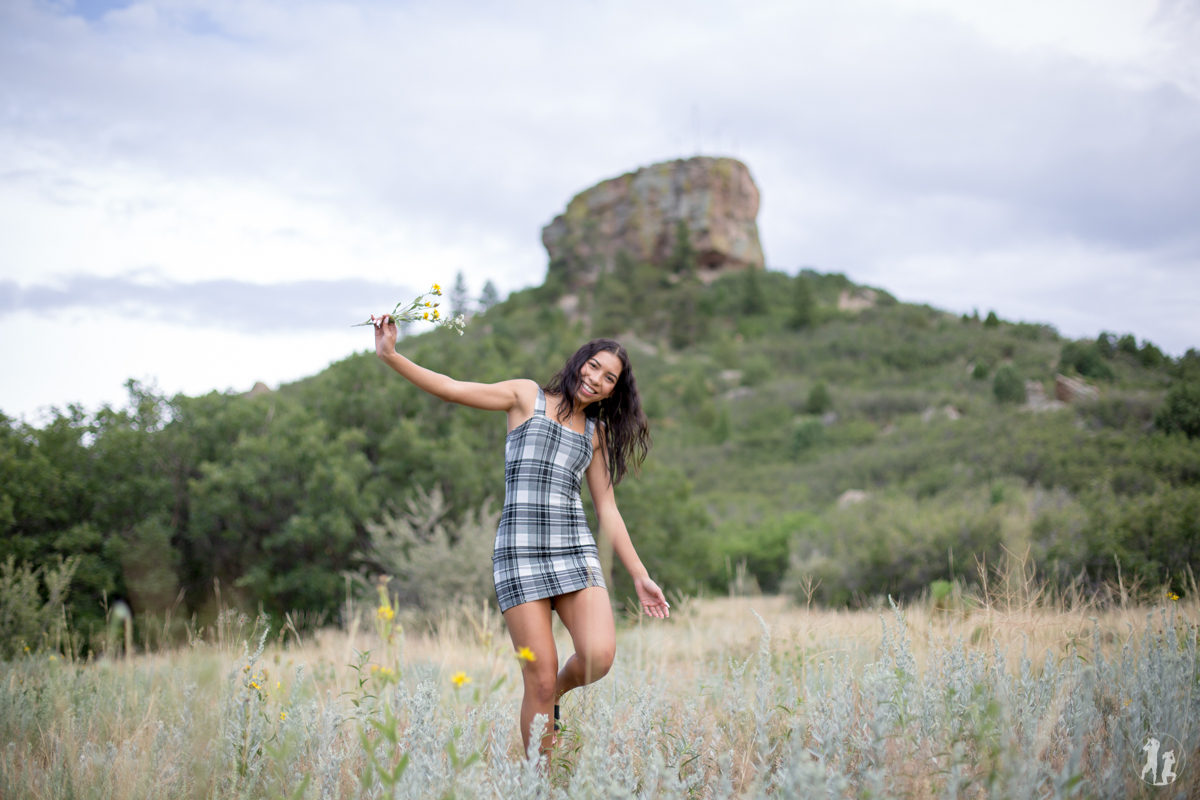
(767, 404)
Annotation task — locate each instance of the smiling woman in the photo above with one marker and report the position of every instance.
(587, 420)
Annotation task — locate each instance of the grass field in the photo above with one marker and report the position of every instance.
(737, 697)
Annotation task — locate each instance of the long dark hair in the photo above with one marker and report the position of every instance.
(626, 432)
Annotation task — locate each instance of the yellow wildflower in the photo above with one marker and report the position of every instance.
(282, 716)
(246, 668)
(459, 678)
(386, 613)
(426, 315)
(436, 314)
(437, 290)
(428, 304)
(1172, 596)
(525, 654)
(374, 668)
(253, 685)
(54, 658)
(278, 684)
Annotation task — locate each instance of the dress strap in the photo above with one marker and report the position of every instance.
(539, 405)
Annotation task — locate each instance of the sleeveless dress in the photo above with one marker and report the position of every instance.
(544, 547)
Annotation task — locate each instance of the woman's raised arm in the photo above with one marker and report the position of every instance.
(503, 396)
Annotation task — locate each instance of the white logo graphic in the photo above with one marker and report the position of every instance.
(1163, 754)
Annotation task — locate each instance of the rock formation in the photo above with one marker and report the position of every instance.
(639, 213)
(1072, 390)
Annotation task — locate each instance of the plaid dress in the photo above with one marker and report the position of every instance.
(543, 545)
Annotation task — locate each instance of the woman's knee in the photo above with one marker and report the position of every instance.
(597, 661)
(541, 681)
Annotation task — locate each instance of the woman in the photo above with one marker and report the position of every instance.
(588, 418)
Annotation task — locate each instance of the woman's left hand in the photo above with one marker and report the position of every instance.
(652, 599)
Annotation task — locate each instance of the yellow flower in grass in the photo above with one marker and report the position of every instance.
(459, 678)
(436, 314)
(437, 290)
(425, 315)
(1172, 596)
(525, 654)
(428, 304)
(385, 613)
(282, 716)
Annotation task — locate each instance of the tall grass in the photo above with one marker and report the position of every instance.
(1013, 697)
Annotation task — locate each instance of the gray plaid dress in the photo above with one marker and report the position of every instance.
(544, 547)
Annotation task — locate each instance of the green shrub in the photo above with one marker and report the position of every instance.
(818, 401)
(1086, 358)
(992, 320)
(1007, 386)
(756, 370)
(807, 434)
(1181, 410)
(981, 371)
(30, 621)
(893, 544)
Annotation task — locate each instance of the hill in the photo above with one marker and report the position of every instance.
(770, 397)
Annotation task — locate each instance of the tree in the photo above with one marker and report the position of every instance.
(754, 301)
(459, 297)
(683, 256)
(992, 320)
(490, 296)
(803, 304)
(1181, 410)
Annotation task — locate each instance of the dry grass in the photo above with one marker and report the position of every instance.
(702, 705)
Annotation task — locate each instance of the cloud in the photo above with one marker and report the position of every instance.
(1039, 156)
(223, 304)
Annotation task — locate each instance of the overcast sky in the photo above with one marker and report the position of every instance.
(206, 194)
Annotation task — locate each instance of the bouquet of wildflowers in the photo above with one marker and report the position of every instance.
(420, 310)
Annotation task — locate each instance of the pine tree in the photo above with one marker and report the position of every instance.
(683, 257)
(459, 296)
(489, 297)
(803, 304)
(753, 299)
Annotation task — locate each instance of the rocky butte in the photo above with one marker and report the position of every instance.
(639, 213)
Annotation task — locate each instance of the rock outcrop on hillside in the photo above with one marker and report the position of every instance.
(639, 213)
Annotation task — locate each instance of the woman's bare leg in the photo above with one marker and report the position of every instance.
(587, 614)
(529, 626)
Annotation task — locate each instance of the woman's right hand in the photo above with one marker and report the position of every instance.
(385, 335)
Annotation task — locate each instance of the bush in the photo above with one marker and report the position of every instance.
(980, 373)
(757, 370)
(435, 564)
(992, 320)
(818, 401)
(27, 621)
(893, 545)
(807, 434)
(1181, 411)
(1008, 386)
(1088, 359)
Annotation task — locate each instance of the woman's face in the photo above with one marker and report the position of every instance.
(598, 377)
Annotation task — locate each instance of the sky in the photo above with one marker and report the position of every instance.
(202, 195)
